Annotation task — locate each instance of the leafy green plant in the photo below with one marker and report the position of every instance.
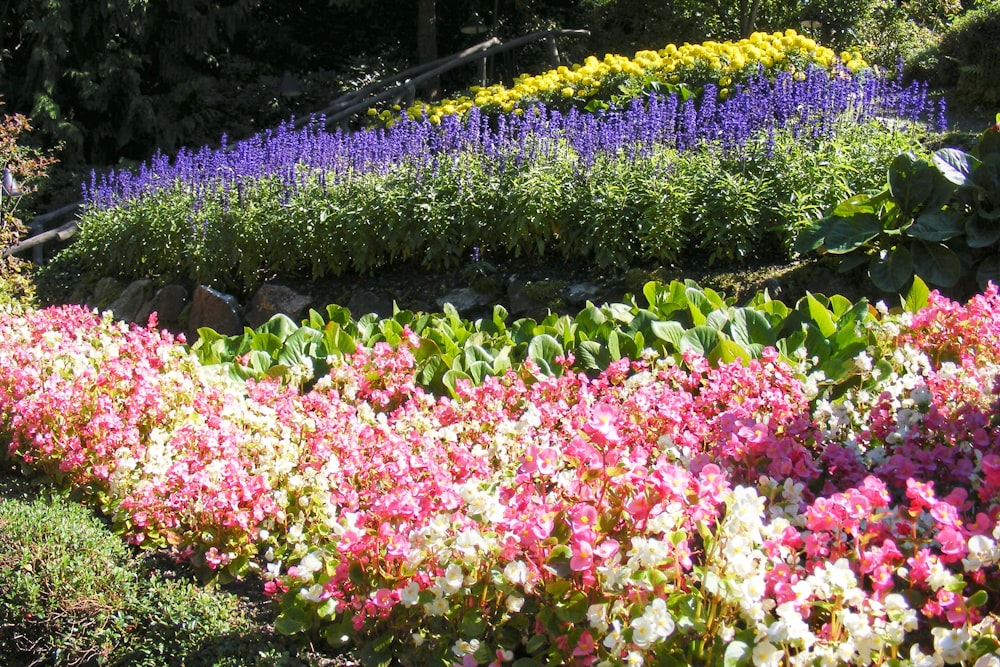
(937, 218)
(71, 593)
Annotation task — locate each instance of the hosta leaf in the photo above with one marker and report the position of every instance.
(846, 234)
(982, 233)
(917, 297)
(543, 349)
(988, 271)
(936, 263)
(700, 339)
(891, 273)
(955, 165)
(750, 326)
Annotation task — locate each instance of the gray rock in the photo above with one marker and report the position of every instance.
(364, 301)
(466, 300)
(131, 300)
(168, 303)
(270, 300)
(578, 294)
(520, 302)
(105, 291)
(211, 308)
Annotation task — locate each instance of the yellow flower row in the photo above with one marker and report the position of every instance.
(691, 64)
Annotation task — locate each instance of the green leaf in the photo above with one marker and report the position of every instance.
(977, 599)
(982, 233)
(988, 271)
(936, 263)
(911, 182)
(536, 644)
(810, 238)
(668, 331)
(891, 273)
(700, 339)
(572, 609)
(281, 326)
(543, 349)
(917, 297)
(954, 165)
(293, 620)
(451, 378)
(750, 326)
(846, 234)
(377, 652)
(473, 625)
(821, 316)
(936, 225)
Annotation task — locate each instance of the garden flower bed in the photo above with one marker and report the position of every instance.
(669, 510)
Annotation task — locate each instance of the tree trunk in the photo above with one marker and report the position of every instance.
(427, 43)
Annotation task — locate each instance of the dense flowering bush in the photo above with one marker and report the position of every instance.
(615, 77)
(666, 512)
(651, 180)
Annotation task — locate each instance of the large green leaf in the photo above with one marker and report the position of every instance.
(821, 316)
(842, 235)
(701, 339)
(981, 232)
(751, 327)
(936, 263)
(955, 165)
(917, 297)
(891, 272)
(937, 225)
(543, 350)
(911, 182)
(988, 271)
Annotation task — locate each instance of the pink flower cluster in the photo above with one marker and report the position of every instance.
(667, 509)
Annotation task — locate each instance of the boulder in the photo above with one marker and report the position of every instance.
(131, 300)
(270, 300)
(578, 294)
(168, 303)
(363, 301)
(466, 300)
(105, 291)
(215, 310)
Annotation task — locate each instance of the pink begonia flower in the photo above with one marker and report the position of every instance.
(586, 647)
(583, 519)
(583, 555)
(542, 460)
(953, 544)
(601, 424)
(920, 493)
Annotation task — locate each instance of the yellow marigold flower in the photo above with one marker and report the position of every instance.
(723, 93)
(567, 92)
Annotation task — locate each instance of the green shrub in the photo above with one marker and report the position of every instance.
(968, 58)
(71, 593)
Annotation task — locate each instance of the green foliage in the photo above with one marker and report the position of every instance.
(669, 320)
(87, 73)
(968, 56)
(725, 209)
(72, 593)
(938, 219)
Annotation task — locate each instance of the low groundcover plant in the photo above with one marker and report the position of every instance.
(667, 511)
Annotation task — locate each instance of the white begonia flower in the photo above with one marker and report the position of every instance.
(516, 572)
(453, 579)
(949, 644)
(613, 640)
(410, 594)
(766, 654)
(987, 661)
(634, 659)
(464, 647)
(514, 603)
(597, 616)
(436, 607)
(642, 632)
(310, 564)
(312, 594)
